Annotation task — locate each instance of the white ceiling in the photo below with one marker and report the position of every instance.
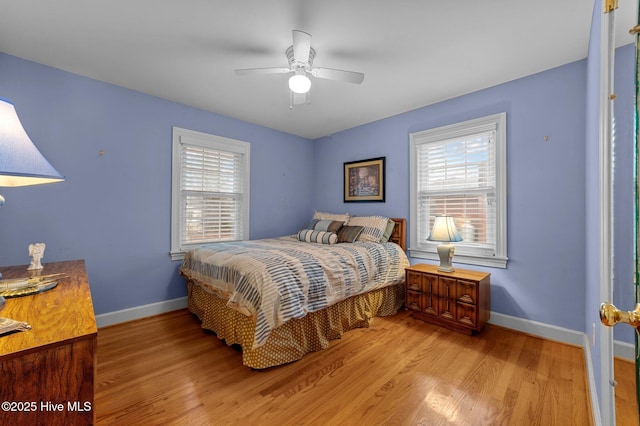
(413, 52)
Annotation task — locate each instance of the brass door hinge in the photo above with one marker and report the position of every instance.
(610, 5)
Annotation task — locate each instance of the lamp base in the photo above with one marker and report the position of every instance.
(445, 253)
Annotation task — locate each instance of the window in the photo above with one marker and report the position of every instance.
(460, 170)
(209, 192)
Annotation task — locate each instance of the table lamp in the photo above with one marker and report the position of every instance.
(21, 163)
(444, 229)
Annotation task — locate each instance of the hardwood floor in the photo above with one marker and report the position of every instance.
(400, 371)
(626, 400)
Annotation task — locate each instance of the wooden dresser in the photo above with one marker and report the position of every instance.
(47, 373)
(459, 300)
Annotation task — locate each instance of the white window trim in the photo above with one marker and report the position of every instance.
(208, 141)
(499, 260)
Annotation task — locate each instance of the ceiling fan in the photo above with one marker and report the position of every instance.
(300, 56)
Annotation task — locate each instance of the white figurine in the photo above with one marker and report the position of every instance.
(36, 251)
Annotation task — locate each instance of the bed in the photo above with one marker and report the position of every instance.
(281, 298)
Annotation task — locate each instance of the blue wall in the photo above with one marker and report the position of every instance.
(114, 210)
(544, 280)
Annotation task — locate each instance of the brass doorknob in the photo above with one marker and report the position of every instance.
(610, 316)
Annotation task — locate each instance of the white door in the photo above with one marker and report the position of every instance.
(609, 314)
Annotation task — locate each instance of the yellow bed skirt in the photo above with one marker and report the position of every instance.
(294, 339)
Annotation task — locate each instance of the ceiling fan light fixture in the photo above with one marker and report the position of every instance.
(299, 82)
(300, 56)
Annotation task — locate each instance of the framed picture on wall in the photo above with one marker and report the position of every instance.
(364, 180)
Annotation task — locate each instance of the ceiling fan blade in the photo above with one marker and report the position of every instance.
(257, 71)
(340, 75)
(301, 46)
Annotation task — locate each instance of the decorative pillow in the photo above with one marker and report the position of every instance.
(321, 237)
(344, 218)
(349, 234)
(387, 232)
(325, 225)
(374, 227)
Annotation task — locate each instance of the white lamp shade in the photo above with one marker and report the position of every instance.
(21, 163)
(444, 229)
(299, 82)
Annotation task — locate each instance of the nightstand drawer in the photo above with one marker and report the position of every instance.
(466, 314)
(413, 281)
(422, 302)
(423, 283)
(412, 300)
(467, 292)
(447, 287)
(447, 308)
(429, 304)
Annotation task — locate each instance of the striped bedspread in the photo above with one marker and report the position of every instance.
(277, 279)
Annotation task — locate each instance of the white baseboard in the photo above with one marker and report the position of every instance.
(137, 312)
(624, 350)
(620, 349)
(593, 391)
(539, 329)
(551, 332)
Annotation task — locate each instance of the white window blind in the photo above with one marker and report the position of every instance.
(212, 195)
(455, 172)
(210, 190)
(457, 178)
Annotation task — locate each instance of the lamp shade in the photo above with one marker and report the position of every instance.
(444, 229)
(21, 163)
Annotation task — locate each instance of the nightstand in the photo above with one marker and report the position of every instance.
(459, 300)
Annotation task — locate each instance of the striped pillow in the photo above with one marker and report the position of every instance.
(325, 225)
(321, 237)
(344, 218)
(374, 227)
(349, 234)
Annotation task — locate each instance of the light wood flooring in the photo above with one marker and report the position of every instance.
(400, 371)
(626, 399)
